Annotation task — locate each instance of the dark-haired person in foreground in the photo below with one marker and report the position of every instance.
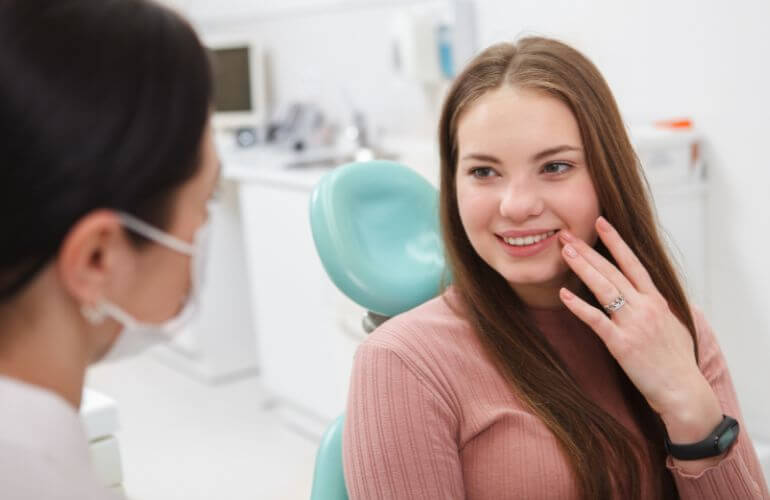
(107, 165)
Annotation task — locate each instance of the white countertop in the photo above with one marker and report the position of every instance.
(272, 165)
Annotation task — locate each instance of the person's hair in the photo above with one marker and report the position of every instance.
(605, 457)
(103, 104)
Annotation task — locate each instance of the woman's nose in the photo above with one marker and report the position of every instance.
(520, 201)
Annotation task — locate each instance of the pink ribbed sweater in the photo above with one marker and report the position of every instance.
(429, 416)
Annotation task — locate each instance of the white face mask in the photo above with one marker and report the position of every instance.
(137, 336)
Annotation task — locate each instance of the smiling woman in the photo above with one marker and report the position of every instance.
(565, 360)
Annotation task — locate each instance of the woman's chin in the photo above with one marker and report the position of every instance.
(546, 276)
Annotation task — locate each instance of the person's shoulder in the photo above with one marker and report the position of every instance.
(438, 316)
(435, 329)
(432, 344)
(27, 473)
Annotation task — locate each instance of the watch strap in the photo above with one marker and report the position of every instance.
(718, 442)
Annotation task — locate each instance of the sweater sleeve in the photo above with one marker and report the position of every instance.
(399, 440)
(738, 475)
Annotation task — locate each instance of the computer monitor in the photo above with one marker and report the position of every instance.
(240, 90)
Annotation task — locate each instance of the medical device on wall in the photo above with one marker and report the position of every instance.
(240, 84)
(431, 43)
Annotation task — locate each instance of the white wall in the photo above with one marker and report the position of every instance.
(337, 52)
(704, 59)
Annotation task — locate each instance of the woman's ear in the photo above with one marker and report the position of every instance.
(88, 255)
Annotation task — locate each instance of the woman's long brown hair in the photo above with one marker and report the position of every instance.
(606, 458)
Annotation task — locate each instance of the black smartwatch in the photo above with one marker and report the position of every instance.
(715, 444)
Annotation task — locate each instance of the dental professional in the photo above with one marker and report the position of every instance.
(565, 361)
(107, 167)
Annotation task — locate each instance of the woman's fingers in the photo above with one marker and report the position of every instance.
(628, 261)
(600, 263)
(605, 290)
(591, 316)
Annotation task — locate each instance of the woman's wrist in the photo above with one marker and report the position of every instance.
(693, 419)
(695, 416)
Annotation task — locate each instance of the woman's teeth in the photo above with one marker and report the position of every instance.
(528, 240)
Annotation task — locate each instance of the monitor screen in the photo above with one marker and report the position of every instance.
(232, 80)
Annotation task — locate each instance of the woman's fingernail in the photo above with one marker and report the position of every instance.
(602, 224)
(570, 251)
(567, 294)
(566, 235)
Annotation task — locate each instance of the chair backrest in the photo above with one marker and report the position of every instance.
(375, 227)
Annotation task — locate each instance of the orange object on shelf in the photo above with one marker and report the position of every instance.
(683, 123)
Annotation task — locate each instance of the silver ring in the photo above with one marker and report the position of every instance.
(615, 305)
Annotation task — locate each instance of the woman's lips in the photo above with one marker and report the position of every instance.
(527, 250)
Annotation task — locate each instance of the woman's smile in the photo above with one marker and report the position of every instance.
(527, 246)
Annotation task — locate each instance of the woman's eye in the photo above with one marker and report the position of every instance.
(482, 172)
(556, 168)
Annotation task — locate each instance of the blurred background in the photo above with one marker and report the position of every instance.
(235, 408)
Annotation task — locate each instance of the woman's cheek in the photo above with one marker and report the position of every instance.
(578, 207)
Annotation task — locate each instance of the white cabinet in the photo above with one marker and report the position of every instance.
(674, 168)
(219, 344)
(307, 330)
(681, 209)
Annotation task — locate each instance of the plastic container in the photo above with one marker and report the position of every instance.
(668, 154)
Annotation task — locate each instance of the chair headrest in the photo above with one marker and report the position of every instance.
(375, 227)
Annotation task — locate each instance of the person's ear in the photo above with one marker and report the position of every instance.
(88, 255)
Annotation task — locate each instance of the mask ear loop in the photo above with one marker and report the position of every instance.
(155, 234)
(93, 314)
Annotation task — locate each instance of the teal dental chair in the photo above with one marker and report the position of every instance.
(375, 227)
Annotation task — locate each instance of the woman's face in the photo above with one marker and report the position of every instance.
(522, 177)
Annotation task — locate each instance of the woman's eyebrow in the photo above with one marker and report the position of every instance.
(538, 157)
(555, 150)
(481, 157)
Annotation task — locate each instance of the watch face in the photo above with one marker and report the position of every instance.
(726, 439)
